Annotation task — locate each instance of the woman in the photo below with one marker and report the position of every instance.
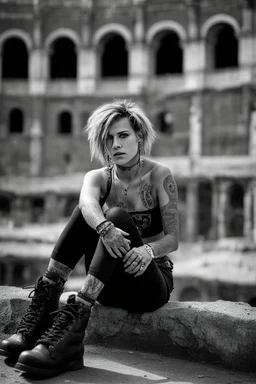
(125, 225)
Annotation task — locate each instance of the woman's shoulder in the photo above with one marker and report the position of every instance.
(156, 169)
(99, 174)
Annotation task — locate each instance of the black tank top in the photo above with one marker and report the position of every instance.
(149, 222)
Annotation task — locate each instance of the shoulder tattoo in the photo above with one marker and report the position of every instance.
(146, 196)
(169, 211)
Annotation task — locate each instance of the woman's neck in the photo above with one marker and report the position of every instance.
(129, 171)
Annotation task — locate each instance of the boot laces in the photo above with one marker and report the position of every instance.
(64, 318)
(41, 294)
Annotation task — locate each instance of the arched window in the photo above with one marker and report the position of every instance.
(16, 121)
(63, 59)
(114, 59)
(65, 123)
(222, 47)
(168, 54)
(236, 214)
(165, 122)
(14, 59)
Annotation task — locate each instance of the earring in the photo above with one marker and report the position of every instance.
(108, 160)
(140, 145)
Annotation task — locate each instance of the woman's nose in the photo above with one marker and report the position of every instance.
(116, 143)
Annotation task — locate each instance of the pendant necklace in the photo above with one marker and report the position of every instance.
(120, 203)
(125, 188)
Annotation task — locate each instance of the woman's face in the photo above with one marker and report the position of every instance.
(122, 142)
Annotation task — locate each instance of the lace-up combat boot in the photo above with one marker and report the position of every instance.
(36, 320)
(61, 348)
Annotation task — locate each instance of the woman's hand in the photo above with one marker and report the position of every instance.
(115, 242)
(136, 261)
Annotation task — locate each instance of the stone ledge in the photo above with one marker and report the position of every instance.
(218, 332)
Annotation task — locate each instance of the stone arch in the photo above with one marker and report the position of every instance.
(64, 119)
(163, 25)
(59, 33)
(16, 33)
(17, 41)
(221, 42)
(220, 18)
(162, 37)
(111, 28)
(58, 44)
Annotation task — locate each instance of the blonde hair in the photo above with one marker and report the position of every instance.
(104, 116)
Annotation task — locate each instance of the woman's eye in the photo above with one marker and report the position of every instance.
(123, 135)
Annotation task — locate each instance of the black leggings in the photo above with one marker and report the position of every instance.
(141, 294)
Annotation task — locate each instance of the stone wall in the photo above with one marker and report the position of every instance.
(217, 332)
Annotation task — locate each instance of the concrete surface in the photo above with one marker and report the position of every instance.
(116, 366)
(216, 332)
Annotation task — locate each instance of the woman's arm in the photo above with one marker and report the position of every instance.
(114, 239)
(89, 198)
(168, 201)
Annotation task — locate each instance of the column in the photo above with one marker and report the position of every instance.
(252, 133)
(52, 212)
(192, 210)
(254, 210)
(37, 62)
(138, 60)
(248, 211)
(87, 60)
(222, 208)
(246, 43)
(195, 129)
(215, 209)
(36, 139)
(194, 55)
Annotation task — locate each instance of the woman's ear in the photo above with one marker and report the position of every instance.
(139, 136)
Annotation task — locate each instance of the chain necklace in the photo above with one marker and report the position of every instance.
(125, 188)
(120, 203)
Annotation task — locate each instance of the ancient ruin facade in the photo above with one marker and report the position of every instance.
(191, 64)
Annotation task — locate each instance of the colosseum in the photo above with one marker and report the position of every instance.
(191, 64)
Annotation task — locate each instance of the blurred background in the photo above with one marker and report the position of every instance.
(191, 65)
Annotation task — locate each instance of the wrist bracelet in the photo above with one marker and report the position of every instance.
(99, 225)
(104, 230)
(149, 250)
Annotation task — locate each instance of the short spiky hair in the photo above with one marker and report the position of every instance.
(103, 117)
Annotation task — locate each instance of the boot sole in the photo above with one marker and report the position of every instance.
(10, 355)
(46, 372)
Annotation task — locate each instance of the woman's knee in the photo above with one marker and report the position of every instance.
(118, 216)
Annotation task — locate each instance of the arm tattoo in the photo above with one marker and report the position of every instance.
(169, 211)
(146, 196)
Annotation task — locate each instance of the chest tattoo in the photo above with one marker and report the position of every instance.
(146, 195)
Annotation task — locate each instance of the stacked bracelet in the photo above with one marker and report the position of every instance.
(104, 227)
(98, 226)
(149, 250)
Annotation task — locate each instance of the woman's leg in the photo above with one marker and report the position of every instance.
(76, 239)
(108, 282)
